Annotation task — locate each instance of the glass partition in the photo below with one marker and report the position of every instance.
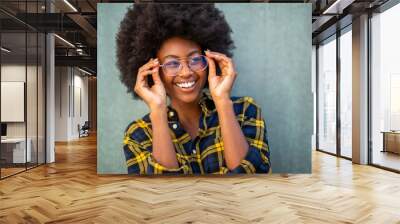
(346, 93)
(22, 87)
(327, 96)
(13, 109)
(385, 89)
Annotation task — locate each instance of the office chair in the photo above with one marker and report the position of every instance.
(84, 130)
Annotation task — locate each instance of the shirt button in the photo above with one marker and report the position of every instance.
(174, 126)
(171, 114)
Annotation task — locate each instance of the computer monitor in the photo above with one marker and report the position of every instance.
(3, 129)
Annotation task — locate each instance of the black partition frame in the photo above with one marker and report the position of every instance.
(337, 35)
(30, 29)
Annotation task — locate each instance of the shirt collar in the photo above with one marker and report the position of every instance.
(206, 103)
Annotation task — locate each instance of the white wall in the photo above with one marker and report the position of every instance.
(12, 73)
(62, 81)
(16, 73)
(71, 94)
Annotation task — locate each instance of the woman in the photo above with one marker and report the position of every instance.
(163, 54)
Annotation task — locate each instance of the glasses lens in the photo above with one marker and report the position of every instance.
(195, 63)
(172, 67)
(198, 63)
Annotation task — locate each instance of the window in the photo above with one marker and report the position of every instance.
(327, 96)
(385, 88)
(346, 92)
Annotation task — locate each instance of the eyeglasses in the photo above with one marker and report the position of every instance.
(196, 63)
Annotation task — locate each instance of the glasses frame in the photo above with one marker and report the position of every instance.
(181, 66)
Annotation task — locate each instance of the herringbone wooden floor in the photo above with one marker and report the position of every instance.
(70, 191)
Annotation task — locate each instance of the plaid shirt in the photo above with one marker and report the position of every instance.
(204, 154)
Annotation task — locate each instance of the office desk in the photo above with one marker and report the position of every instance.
(16, 147)
(391, 141)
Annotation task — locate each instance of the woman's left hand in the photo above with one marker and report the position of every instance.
(220, 86)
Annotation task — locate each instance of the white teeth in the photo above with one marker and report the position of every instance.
(185, 84)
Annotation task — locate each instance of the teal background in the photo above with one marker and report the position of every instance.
(273, 60)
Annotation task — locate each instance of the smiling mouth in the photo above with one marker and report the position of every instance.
(185, 85)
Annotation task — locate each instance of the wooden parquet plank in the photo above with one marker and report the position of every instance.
(70, 191)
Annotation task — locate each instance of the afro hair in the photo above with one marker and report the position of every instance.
(147, 25)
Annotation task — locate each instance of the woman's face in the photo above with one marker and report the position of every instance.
(187, 84)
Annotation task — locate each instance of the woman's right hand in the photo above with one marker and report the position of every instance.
(155, 97)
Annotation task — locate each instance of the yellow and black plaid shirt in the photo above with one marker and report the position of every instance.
(204, 154)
